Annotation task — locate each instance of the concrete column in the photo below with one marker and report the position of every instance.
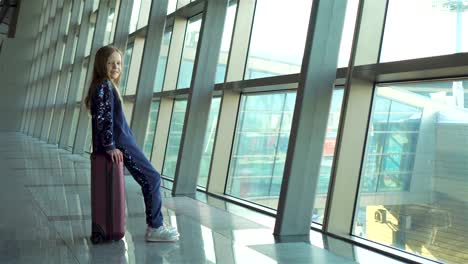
(200, 96)
(149, 68)
(357, 103)
(314, 94)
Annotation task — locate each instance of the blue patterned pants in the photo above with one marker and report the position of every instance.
(149, 179)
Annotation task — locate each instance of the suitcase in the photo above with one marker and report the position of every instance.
(107, 199)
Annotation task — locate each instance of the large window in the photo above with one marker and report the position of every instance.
(162, 62)
(209, 142)
(76, 115)
(260, 145)
(140, 14)
(173, 141)
(111, 21)
(278, 38)
(151, 129)
(327, 156)
(226, 42)
(424, 28)
(92, 27)
(126, 68)
(135, 15)
(413, 182)
(188, 54)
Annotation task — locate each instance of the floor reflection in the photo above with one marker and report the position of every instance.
(46, 219)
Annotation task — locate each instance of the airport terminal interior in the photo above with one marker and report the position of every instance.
(299, 131)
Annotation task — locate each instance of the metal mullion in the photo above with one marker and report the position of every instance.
(275, 83)
(354, 120)
(76, 75)
(98, 41)
(179, 93)
(229, 108)
(191, 9)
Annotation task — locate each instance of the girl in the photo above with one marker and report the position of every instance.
(111, 134)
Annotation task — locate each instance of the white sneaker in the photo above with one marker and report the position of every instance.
(162, 234)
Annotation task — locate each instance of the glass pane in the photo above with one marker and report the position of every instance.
(327, 156)
(75, 43)
(413, 182)
(188, 54)
(422, 28)
(260, 144)
(89, 140)
(173, 141)
(171, 6)
(80, 14)
(150, 131)
(128, 109)
(76, 115)
(111, 21)
(226, 43)
(92, 26)
(209, 142)
(82, 82)
(126, 68)
(140, 14)
(162, 61)
(135, 15)
(95, 5)
(278, 37)
(348, 31)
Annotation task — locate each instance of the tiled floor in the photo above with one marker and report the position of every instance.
(45, 205)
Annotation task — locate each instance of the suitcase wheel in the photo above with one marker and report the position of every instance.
(96, 238)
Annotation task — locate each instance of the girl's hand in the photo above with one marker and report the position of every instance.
(116, 155)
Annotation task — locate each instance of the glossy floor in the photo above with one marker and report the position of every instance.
(45, 208)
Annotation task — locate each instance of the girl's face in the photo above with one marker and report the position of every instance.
(114, 66)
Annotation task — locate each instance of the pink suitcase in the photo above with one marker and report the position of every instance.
(107, 199)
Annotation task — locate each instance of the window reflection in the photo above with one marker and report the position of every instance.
(278, 38)
(173, 141)
(150, 131)
(188, 54)
(162, 61)
(126, 68)
(412, 190)
(428, 28)
(209, 142)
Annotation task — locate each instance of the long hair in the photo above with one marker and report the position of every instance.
(100, 72)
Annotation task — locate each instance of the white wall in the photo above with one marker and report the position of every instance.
(15, 61)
